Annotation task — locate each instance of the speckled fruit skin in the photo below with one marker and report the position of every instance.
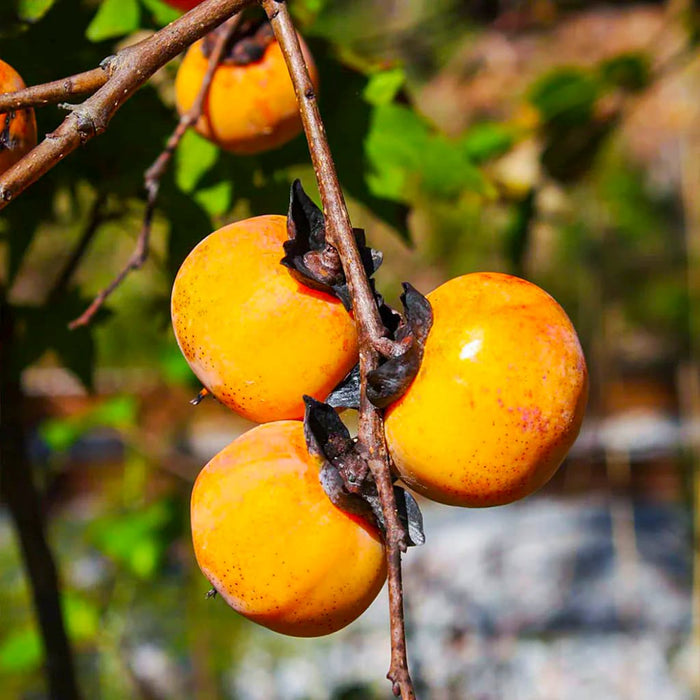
(254, 336)
(249, 108)
(22, 124)
(271, 542)
(499, 398)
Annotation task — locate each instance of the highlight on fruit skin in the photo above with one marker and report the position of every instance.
(18, 128)
(249, 108)
(273, 545)
(256, 337)
(499, 397)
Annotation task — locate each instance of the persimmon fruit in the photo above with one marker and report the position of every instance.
(17, 128)
(272, 543)
(499, 397)
(183, 5)
(249, 108)
(256, 337)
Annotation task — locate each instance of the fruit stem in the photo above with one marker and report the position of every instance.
(369, 325)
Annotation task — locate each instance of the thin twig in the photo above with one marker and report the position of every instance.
(56, 91)
(370, 327)
(129, 69)
(154, 174)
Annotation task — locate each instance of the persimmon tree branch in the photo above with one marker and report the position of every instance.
(369, 325)
(154, 174)
(57, 90)
(127, 71)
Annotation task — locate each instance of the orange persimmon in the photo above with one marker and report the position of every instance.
(272, 543)
(17, 128)
(499, 397)
(255, 337)
(249, 108)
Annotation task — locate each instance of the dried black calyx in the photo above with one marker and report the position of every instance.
(311, 259)
(345, 476)
(392, 378)
(409, 514)
(406, 336)
(344, 471)
(6, 141)
(246, 45)
(347, 393)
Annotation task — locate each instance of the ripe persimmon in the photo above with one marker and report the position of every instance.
(273, 544)
(18, 128)
(256, 337)
(499, 397)
(183, 5)
(251, 105)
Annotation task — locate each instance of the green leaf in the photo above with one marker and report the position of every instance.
(383, 87)
(487, 140)
(565, 96)
(82, 617)
(33, 10)
(115, 18)
(161, 12)
(630, 71)
(21, 651)
(446, 172)
(394, 146)
(138, 539)
(193, 158)
(60, 434)
(215, 199)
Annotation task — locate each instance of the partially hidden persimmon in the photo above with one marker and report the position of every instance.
(251, 106)
(273, 545)
(183, 5)
(499, 397)
(17, 128)
(256, 337)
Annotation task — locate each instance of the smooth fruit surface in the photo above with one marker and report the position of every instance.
(250, 108)
(254, 336)
(271, 542)
(499, 397)
(17, 129)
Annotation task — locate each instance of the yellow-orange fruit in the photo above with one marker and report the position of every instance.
(271, 542)
(499, 397)
(249, 108)
(254, 336)
(17, 129)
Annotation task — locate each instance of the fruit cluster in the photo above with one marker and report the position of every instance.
(483, 397)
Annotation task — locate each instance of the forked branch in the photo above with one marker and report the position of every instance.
(155, 173)
(369, 324)
(128, 70)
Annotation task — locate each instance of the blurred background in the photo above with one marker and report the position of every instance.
(559, 141)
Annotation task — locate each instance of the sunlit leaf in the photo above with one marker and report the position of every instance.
(114, 18)
(161, 12)
(194, 156)
(382, 87)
